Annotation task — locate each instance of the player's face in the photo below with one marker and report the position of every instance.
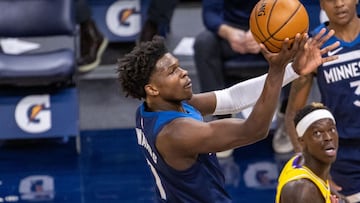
(339, 12)
(172, 82)
(321, 141)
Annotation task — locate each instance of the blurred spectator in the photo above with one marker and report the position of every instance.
(159, 15)
(227, 36)
(92, 42)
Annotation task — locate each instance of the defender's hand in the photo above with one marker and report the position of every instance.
(310, 54)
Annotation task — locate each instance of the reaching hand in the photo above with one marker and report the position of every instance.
(286, 54)
(334, 199)
(335, 191)
(309, 55)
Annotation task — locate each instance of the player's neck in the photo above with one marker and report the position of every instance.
(349, 32)
(319, 169)
(164, 106)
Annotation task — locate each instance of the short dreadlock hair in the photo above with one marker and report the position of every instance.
(135, 68)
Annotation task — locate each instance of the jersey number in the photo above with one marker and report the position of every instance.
(357, 91)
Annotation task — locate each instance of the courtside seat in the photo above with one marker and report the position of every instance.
(38, 90)
(34, 18)
(42, 69)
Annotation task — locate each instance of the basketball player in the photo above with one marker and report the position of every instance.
(339, 83)
(305, 177)
(178, 146)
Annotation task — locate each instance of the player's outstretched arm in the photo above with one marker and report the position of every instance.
(231, 100)
(199, 137)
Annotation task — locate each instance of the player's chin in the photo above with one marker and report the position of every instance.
(331, 157)
(327, 160)
(188, 93)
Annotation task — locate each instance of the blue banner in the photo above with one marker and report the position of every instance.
(39, 115)
(119, 21)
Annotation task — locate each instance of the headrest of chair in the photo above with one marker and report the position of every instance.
(22, 18)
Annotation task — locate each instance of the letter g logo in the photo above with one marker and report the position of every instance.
(32, 113)
(123, 18)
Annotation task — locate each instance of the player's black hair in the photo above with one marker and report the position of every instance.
(136, 67)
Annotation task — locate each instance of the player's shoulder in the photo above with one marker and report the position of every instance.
(302, 189)
(302, 183)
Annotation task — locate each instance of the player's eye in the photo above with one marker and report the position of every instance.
(317, 134)
(174, 70)
(333, 130)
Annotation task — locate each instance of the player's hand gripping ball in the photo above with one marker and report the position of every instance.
(271, 21)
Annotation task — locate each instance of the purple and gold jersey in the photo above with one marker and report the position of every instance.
(293, 171)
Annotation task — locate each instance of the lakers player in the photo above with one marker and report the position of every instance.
(305, 177)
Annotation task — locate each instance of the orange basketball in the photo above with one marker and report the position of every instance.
(271, 21)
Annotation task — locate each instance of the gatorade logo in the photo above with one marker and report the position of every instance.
(261, 175)
(123, 18)
(36, 188)
(33, 115)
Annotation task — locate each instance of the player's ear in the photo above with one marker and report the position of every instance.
(151, 90)
(301, 141)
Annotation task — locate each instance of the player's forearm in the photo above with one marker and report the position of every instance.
(299, 92)
(268, 100)
(291, 109)
(243, 95)
(261, 116)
